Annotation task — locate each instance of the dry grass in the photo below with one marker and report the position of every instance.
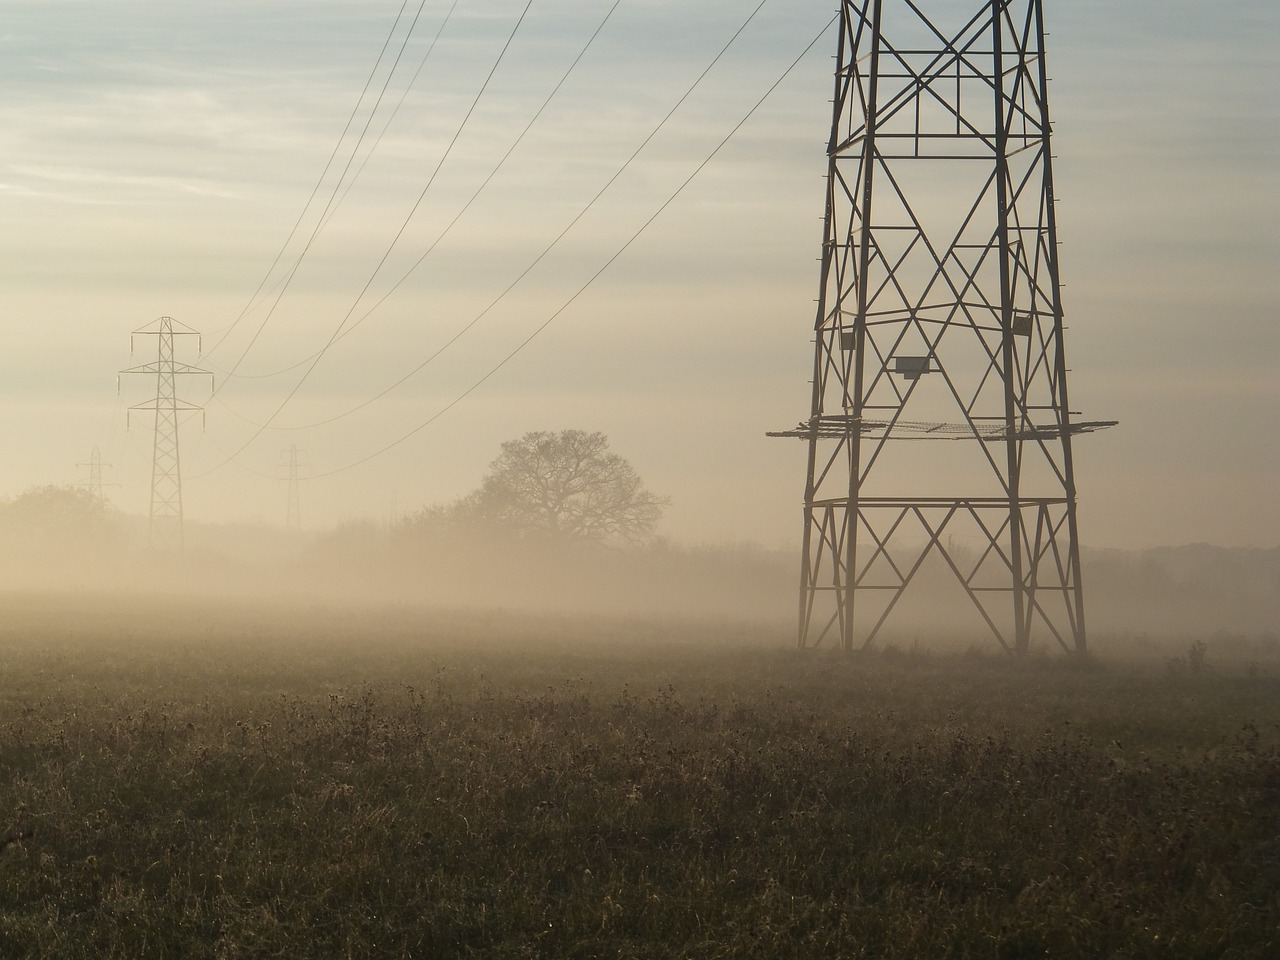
(343, 785)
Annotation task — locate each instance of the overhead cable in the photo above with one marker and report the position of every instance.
(394, 111)
(253, 299)
(387, 253)
(582, 289)
(330, 204)
(332, 197)
(452, 223)
(545, 251)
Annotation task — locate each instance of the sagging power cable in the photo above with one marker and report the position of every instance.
(387, 253)
(541, 256)
(582, 289)
(452, 223)
(355, 111)
(329, 205)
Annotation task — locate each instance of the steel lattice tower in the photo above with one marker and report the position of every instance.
(296, 471)
(94, 484)
(166, 474)
(940, 319)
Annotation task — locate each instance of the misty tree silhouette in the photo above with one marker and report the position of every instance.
(55, 511)
(568, 486)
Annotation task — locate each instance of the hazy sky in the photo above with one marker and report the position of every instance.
(156, 155)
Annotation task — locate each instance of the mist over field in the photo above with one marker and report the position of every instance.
(1136, 601)
(378, 740)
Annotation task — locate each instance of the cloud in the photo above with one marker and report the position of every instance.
(97, 179)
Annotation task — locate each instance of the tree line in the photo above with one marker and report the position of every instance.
(559, 487)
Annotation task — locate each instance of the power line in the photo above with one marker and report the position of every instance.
(399, 233)
(608, 263)
(230, 458)
(316, 189)
(331, 204)
(395, 110)
(288, 277)
(538, 259)
(329, 213)
(452, 223)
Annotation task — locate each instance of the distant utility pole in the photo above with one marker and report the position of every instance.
(166, 475)
(94, 484)
(296, 471)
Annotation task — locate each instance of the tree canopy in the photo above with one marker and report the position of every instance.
(53, 511)
(568, 486)
(52, 522)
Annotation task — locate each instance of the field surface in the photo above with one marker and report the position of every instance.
(195, 780)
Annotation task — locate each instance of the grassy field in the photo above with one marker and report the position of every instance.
(213, 781)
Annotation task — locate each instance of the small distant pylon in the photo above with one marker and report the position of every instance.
(166, 475)
(94, 483)
(297, 470)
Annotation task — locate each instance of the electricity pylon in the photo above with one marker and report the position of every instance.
(94, 483)
(166, 475)
(940, 319)
(297, 470)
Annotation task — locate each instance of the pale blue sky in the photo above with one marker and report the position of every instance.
(156, 155)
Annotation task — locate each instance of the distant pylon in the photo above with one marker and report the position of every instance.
(166, 474)
(297, 470)
(94, 483)
(940, 319)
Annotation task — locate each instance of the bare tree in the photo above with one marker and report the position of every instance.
(568, 486)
